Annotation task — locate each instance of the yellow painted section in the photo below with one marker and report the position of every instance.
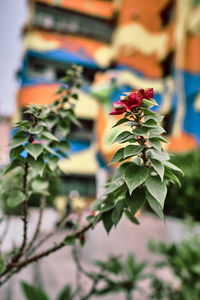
(83, 162)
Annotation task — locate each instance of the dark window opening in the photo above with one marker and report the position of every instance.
(38, 68)
(84, 133)
(168, 122)
(167, 64)
(85, 185)
(167, 14)
(63, 20)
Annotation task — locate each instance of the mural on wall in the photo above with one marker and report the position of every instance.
(120, 45)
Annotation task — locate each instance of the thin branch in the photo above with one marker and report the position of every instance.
(37, 257)
(37, 230)
(6, 227)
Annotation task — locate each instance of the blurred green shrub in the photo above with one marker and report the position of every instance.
(184, 201)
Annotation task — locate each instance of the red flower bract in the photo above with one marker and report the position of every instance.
(130, 102)
(145, 94)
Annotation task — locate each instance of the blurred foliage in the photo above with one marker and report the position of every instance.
(184, 201)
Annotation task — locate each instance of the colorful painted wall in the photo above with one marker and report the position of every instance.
(121, 45)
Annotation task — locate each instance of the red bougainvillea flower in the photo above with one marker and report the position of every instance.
(131, 101)
(145, 94)
(118, 109)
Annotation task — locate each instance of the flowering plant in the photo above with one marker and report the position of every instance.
(145, 169)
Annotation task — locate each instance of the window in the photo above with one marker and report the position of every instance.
(61, 20)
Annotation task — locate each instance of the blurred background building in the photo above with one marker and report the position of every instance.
(120, 45)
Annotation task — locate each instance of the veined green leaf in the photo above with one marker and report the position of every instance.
(157, 189)
(136, 200)
(155, 143)
(150, 123)
(15, 152)
(143, 131)
(34, 149)
(117, 212)
(19, 139)
(155, 205)
(132, 150)
(172, 166)
(117, 156)
(15, 198)
(134, 176)
(148, 103)
(122, 136)
(131, 217)
(38, 165)
(159, 155)
(157, 130)
(50, 136)
(121, 121)
(158, 137)
(158, 166)
(35, 130)
(107, 221)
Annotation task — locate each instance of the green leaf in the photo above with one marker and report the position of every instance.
(38, 165)
(107, 221)
(33, 293)
(159, 167)
(70, 240)
(34, 149)
(157, 130)
(39, 185)
(121, 121)
(159, 155)
(154, 116)
(123, 135)
(157, 189)
(136, 200)
(53, 162)
(114, 185)
(148, 103)
(155, 143)
(48, 149)
(172, 177)
(15, 152)
(117, 212)
(143, 131)
(154, 204)
(50, 136)
(19, 139)
(134, 176)
(150, 123)
(15, 198)
(117, 156)
(131, 217)
(35, 130)
(12, 165)
(66, 293)
(158, 137)
(2, 265)
(172, 166)
(132, 150)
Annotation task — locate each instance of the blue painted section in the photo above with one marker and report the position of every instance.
(64, 56)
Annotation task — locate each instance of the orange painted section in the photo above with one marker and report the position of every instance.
(99, 8)
(70, 42)
(145, 12)
(182, 143)
(38, 94)
(192, 54)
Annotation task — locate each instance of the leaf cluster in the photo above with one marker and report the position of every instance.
(144, 169)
